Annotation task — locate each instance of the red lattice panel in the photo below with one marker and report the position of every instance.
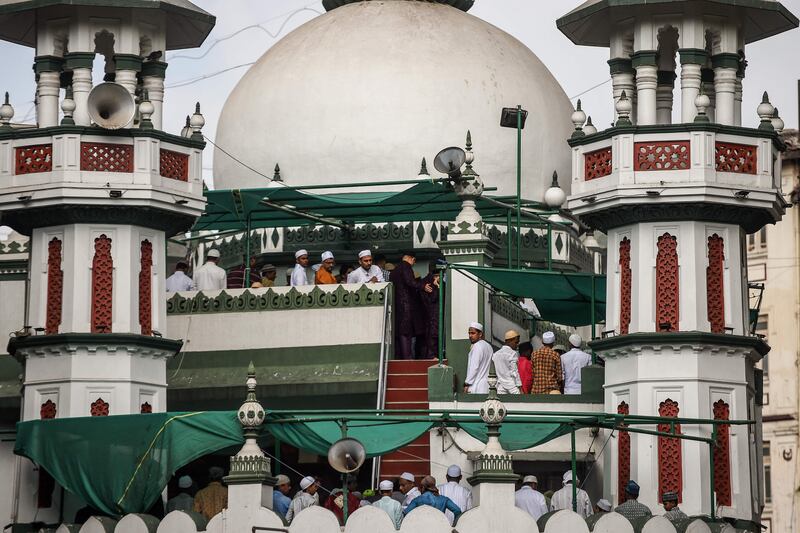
(174, 165)
(48, 410)
(624, 286)
(34, 158)
(715, 284)
(623, 455)
(102, 285)
(106, 157)
(55, 287)
(739, 158)
(722, 455)
(597, 164)
(146, 408)
(662, 155)
(670, 463)
(145, 288)
(99, 408)
(667, 288)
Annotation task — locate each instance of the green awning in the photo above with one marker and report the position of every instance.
(562, 297)
(272, 207)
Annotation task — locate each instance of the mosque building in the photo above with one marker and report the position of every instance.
(634, 236)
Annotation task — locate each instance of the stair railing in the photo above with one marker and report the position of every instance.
(383, 368)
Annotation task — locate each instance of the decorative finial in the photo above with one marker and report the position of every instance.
(251, 413)
(777, 121)
(250, 464)
(196, 123)
(702, 102)
(423, 168)
(578, 119)
(146, 110)
(554, 197)
(469, 157)
(276, 175)
(623, 108)
(765, 111)
(68, 107)
(6, 113)
(493, 412)
(589, 128)
(186, 130)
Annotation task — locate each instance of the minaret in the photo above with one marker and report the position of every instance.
(98, 191)
(677, 201)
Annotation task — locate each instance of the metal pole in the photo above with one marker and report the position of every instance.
(246, 280)
(344, 478)
(594, 320)
(711, 446)
(519, 183)
(549, 247)
(574, 476)
(441, 314)
(508, 239)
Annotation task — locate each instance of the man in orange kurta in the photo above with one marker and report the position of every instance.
(324, 275)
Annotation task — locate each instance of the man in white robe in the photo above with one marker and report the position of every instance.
(299, 276)
(460, 494)
(572, 362)
(562, 499)
(366, 272)
(303, 499)
(529, 499)
(210, 277)
(505, 365)
(408, 487)
(479, 360)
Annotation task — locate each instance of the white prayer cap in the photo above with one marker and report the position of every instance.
(605, 505)
(575, 340)
(213, 253)
(454, 471)
(529, 479)
(316, 267)
(184, 482)
(300, 253)
(407, 476)
(327, 255)
(306, 482)
(282, 480)
(364, 253)
(567, 478)
(548, 337)
(386, 485)
(476, 325)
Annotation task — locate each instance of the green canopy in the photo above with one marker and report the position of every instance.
(240, 209)
(564, 298)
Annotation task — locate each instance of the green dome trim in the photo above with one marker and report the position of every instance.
(463, 5)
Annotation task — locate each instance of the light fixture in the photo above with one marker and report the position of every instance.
(653, 193)
(741, 194)
(156, 333)
(181, 201)
(115, 193)
(508, 117)
(24, 197)
(449, 161)
(609, 333)
(589, 200)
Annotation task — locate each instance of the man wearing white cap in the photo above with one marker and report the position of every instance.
(299, 276)
(324, 275)
(562, 499)
(460, 495)
(572, 362)
(546, 363)
(388, 504)
(183, 501)
(210, 277)
(303, 499)
(478, 361)
(280, 498)
(366, 272)
(602, 506)
(529, 499)
(505, 364)
(409, 488)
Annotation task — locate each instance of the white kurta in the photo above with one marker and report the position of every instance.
(410, 495)
(460, 495)
(179, 281)
(571, 363)
(531, 501)
(479, 360)
(505, 365)
(299, 276)
(360, 275)
(302, 500)
(210, 277)
(562, 499)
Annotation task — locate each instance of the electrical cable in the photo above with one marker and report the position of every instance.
(191, 81)
(240, 161)
(590, 89)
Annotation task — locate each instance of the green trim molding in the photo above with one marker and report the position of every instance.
(39, 342)
(271, 300)
(127, 62)
(620, 65)
(696, 56)
(644, 58)
(73, 60)
(38, 133)
(47, 64)
(154, 69)
(725, 60)
(680, 338)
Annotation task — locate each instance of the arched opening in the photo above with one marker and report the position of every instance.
(104, 67)
(667, 50)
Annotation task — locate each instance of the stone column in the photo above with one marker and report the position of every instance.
(153, 74)
(622, 80)
(707, 80)
(725, 67)
(80, 63)
(691, 61)
(127, 67)
(48, 85)
(666, 84)
(644, 62)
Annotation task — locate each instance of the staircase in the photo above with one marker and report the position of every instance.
(407, 388)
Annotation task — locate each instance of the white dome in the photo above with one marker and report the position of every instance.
(366, 90)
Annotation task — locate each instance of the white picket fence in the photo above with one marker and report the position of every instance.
(374, 520)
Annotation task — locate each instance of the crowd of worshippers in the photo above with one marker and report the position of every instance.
(550, 369)
(400, 497)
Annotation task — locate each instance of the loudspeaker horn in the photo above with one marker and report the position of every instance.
(449, 161)
(111, 106)
(347, 455)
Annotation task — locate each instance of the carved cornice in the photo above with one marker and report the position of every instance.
(66, 343)
(633, 344)
(271, 300)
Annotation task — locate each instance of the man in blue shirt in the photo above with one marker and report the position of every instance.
(430, 496)
(280, 499)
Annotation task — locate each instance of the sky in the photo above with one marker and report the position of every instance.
(245, 29)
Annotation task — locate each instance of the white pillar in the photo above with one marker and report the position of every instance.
(725, 67)
(622, 80)
(666, 84)
(80, 63)
(153, 73)
(691, 61)
(127, 66)
(646, 83)
(737, 102)
(48, 85)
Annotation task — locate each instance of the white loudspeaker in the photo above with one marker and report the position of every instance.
(449, 161)
(347, 455)
(111, 106)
